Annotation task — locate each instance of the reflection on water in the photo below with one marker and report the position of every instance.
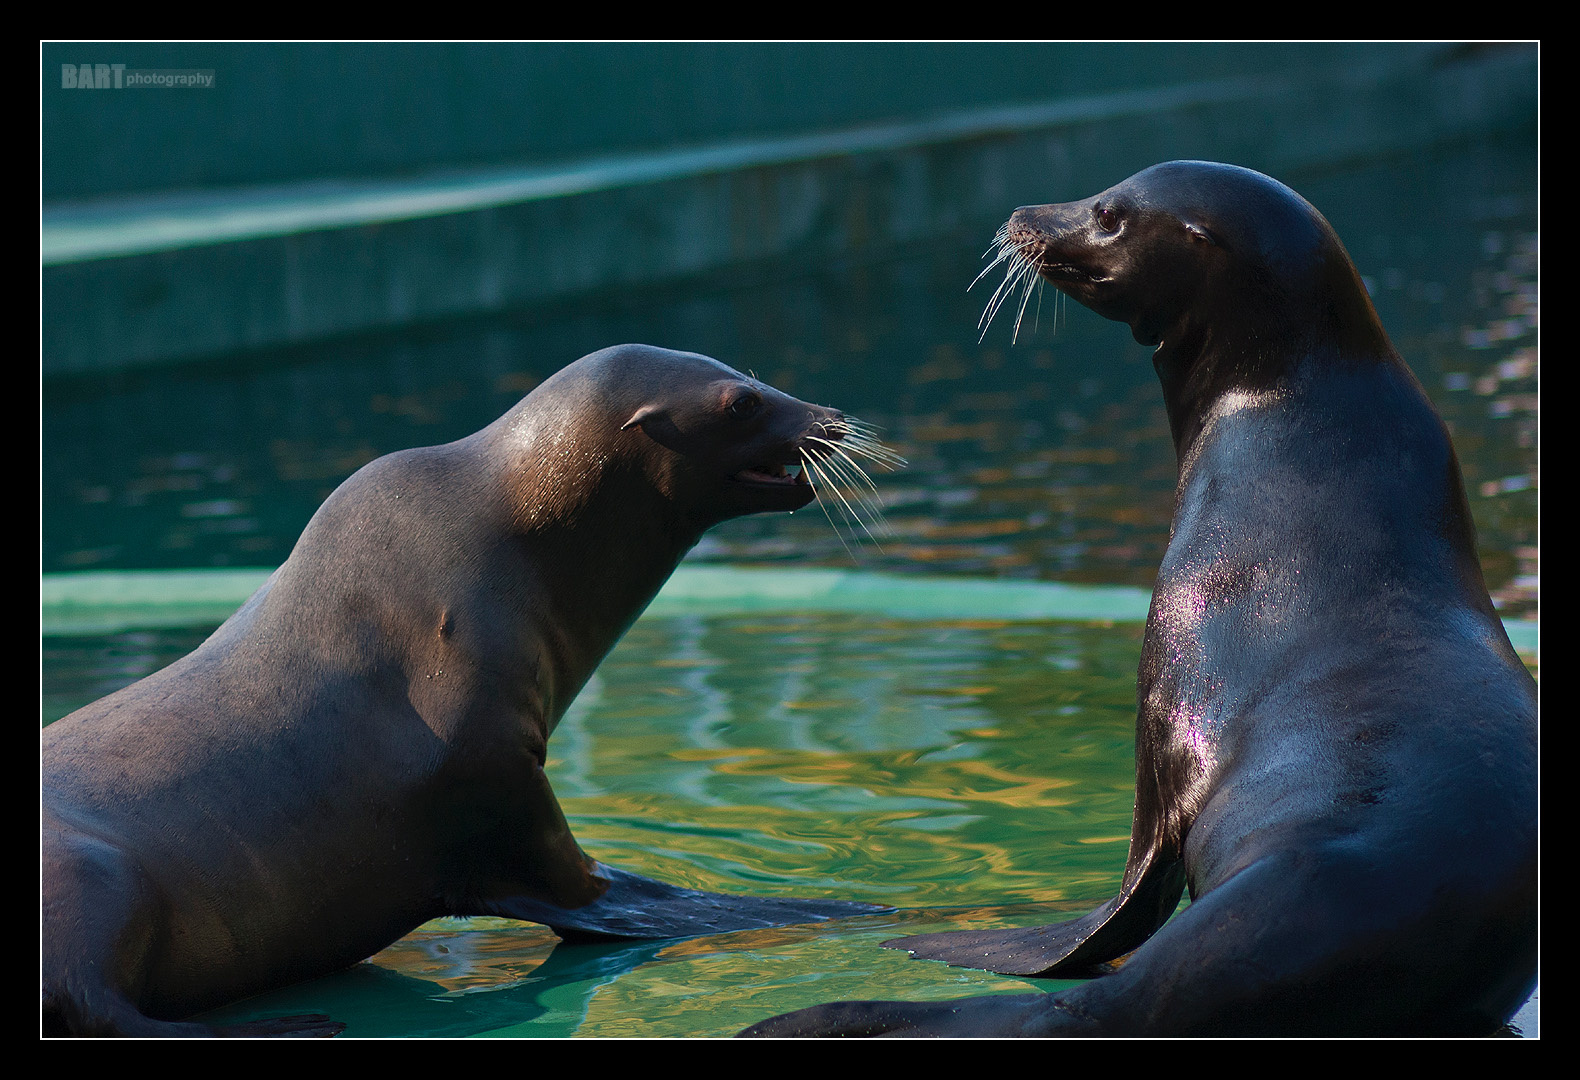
(863, 749)
(774, 753)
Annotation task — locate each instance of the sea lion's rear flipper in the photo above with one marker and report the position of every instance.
(639, 907)
(1026, 1015)
(1068, 949)
(304, 1026)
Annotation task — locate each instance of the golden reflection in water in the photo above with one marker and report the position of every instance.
(907, 763)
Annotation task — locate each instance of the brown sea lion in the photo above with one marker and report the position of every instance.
(361, 747)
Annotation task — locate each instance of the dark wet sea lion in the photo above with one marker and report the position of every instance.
(1335, 744)
(360, 748)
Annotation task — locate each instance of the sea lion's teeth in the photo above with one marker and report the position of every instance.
(764, 473)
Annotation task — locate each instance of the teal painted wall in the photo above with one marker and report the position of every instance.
(277, 113)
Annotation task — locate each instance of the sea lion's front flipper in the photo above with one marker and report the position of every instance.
(638, 907)
(550, 881)
(1067, 949)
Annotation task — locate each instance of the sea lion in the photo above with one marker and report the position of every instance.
(1336, 745)
(361, 746)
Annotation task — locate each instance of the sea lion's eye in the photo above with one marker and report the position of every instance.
(1107, 217)
(745, 406)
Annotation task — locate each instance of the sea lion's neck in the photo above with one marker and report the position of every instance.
(1201, 368)
(597, 542)
(612, 559)
(1188, 389)
(1266, 345)
(586, 596)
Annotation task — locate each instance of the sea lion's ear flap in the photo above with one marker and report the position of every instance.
(656, 423)
(642, 415)
(1198, 233)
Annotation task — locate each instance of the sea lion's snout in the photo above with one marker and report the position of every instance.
(1057, 238)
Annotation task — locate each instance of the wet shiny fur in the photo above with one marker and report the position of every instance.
(361, 747)
(1336, 745)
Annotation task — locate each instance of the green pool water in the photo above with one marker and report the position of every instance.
(973, 770)
(947, 765)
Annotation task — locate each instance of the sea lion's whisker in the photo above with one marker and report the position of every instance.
(1033, 284)
(868, 448)
(851, 512)
(838, 458)
(821, 481)
(1005, 251)
(829, 455)
(838, 469)
(814, 478)
(1014, 278)
(1006, 288)
(1021, 274)
(858, 437)
(862, 506)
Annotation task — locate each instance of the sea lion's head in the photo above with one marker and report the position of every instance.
(1192, 247)
(709, 442)
(720, 441)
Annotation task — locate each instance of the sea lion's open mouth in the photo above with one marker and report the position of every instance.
(1055, 269)
(772, 486)
(778, 475)
(1060, 271)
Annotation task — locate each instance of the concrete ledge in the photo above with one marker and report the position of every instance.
(108, 601)
(156, 280)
